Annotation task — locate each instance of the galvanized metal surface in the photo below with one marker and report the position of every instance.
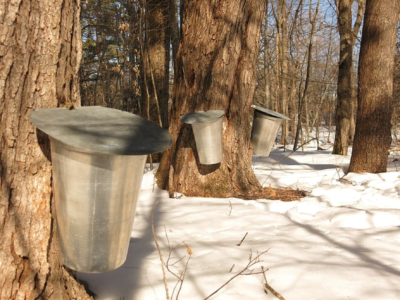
(202, 116)
(269, 112)
(96, 196)
(264, 132)
(97, 180)
(207, 130)
(103, 130)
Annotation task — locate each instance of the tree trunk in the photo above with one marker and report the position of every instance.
(267, 100)
(375, 89)
(216, 66)
(277, 65)
(156, 59)
(40, 53)
(175, 37)
(284, 71)
(343, 109)
(345, 88)
(303, 100)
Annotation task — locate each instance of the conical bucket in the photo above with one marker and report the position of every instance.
(98, 157)
(266, 125)
(207, 130)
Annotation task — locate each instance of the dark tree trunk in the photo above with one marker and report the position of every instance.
(284, 71)
(375, 87)
(345, 89)
(343, 109)
(156, 61)
(216, 65)
(174, 29)
(40, 53)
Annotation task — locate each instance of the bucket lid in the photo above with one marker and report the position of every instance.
(103, 130)
(270, 112)
(202, 116)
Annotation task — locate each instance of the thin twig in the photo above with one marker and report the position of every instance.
(279, 296)
(250, 264)
(159, 251)
(230, 205)
(232, 268)
(177, 261)
(183, 277)
(180, 278)
(154, 182)
(242, 239)
(167, 265)
(176, 284)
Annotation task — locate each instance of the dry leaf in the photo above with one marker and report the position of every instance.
(189, 250)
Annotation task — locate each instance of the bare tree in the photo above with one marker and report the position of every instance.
(303, 100)
(40, 52)
(216, 66)
(156, 57)
(375, 87)
(346, 86)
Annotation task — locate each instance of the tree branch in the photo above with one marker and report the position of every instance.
(159, 251)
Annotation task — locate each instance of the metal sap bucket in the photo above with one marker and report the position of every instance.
(207, 130)
(98, 156)
(266, 125)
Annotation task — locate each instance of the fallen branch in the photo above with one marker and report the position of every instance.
(232, 268)
(242, 239)
(394, 149)
(251, 263)
(267, 286)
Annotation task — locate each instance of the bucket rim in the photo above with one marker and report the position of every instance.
(102, 130)
(208, 116)
(269, 112)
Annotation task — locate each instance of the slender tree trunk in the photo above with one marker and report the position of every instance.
(292, 101)
(343, 109)
(353, 107)
(307, 117)
(375, 89)
(135, 57)
(277, 66)
(284, 71)
(40, 53)
(330, 124)
(216, 66)
(175, 33)
(156, 58)
(303, 100)
(267, 100)
(346, 88)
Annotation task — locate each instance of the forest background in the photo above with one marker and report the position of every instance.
(161, 59)
(129, 49)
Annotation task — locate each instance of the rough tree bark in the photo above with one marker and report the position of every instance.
(40, 48)
(345, 87)
(216, 70)
(375, 87)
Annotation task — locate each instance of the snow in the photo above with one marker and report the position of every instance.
(342, 241)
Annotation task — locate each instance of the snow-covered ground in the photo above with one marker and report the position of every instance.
(342, 241)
